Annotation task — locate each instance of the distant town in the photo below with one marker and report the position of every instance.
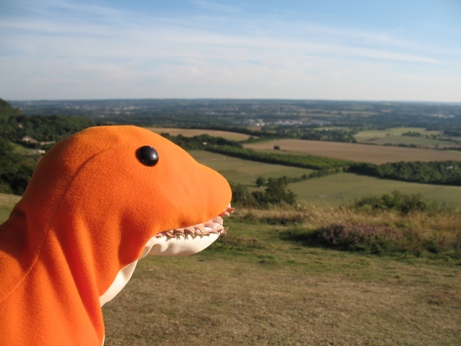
(254, 113)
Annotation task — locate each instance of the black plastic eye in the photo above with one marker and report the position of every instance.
(147, 155)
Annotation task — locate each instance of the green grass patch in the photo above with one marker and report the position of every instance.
(243, 171)
(7, 203)
(340, 188)
(396, 131)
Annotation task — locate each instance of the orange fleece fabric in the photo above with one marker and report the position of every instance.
(87, 212)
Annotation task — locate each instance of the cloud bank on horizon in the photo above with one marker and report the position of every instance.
(296, 49)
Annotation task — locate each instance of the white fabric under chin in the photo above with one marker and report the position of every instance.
(158, 246)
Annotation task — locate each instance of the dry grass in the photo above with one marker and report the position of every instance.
(260, 290)
(312, 216)
(220, 302)
(441, 231)
(7, 203)
(357, 152)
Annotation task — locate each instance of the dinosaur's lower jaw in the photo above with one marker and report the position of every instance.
(188, 240)
(177, 242)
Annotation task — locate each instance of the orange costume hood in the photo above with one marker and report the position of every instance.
(95, 205)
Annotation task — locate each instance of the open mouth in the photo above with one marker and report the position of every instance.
(188, 240)
(213, 226)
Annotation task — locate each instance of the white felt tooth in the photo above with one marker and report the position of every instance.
(213, 226)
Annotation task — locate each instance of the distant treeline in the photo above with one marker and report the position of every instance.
(200, 142)
(309, 132)
(42, 128)
(437, 172)
(16, 167)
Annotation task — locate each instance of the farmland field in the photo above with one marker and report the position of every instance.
(392, 132)
(243, 171)
(421, 142)
(331, 190)
(394, 136)
(196, 132)
(356, 152)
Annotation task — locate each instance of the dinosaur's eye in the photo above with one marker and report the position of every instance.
(147, 155)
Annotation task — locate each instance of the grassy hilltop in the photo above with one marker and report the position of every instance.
(258, 286)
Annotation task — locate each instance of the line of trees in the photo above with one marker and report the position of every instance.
(261, 181)
(200, 142)
(303, 161)
(437, 172)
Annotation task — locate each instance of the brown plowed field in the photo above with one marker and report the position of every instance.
(234, 136)
(357, 152)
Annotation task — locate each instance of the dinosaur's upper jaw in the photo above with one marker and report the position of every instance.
(188, 240)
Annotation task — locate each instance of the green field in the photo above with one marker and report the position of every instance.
(243, 171)
(342, 188)
(394, 136)
(392, 132)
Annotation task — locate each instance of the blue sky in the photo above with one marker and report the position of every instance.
(407, 50)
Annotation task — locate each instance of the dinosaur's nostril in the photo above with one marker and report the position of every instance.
(147, 155)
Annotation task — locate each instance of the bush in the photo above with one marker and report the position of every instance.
(377, 239)
(361, 237)
(242, 196)
(398, 202)
(275, 192)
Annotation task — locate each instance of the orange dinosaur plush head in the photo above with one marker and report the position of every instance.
(97, 202)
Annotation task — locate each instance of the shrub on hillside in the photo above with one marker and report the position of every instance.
(275, 192)
(377, 239)
(397, 201)
(361, 237)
